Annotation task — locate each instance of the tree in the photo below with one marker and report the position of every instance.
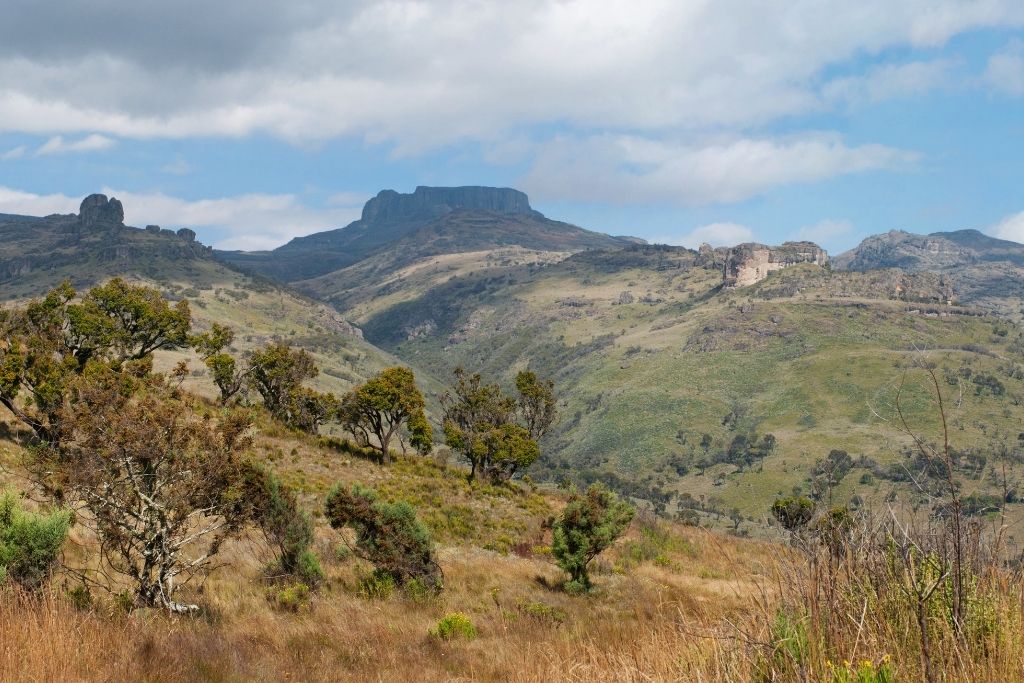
(496, 433)
(388, 535)
(277, 372)
(227, 375)
(588, 525)
(382, 407)
(49, 342)
(536, 403)
(793, 513)
(30, 543)
(161, 486)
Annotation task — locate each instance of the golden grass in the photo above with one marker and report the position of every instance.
(638, 626)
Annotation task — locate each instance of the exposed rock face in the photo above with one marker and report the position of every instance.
(433, 202)
(187, 235)
(938, 251)
(748, 264)
(99, 213)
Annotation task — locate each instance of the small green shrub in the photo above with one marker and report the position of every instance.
(377, 585)
(292, 598)
(455, 625)
(29, 543)
(589, 524)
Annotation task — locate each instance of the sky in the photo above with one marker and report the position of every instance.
(679, 121)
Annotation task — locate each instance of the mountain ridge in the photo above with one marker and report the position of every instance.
(500, 217)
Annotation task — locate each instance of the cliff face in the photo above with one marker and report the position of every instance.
(938, 251)
(426, 222)
(428, 203)
(748, 264)
(97, 234)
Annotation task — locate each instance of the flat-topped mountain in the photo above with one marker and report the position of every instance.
(429, 221)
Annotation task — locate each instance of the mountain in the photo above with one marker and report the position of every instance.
(982, 271)
(95, 245)
(667, 360)
(430, 221)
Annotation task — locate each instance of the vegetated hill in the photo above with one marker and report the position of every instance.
(428, 222)
(37, 254)
(982, 270)
(493, 544)
(651, 352)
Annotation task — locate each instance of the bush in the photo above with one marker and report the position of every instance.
(29, 543)
(455, 625)
(293, 598)
(377, 585)
(793, 513)
(388, 535)
(590, 523)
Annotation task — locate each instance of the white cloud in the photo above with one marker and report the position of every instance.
(1010, 228)
(628, 169)
(15, 153)
(29, 204)
(1005, 69)
(892, 81)
(715, 234)
(250, 221)
(431, 72)
(91, 143)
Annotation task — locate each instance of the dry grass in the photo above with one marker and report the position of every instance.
(638, 626)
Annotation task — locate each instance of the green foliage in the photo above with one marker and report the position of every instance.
(277, 372)
(285, 526)
(388, 535)
(30, 543)
(228, 377)
(487, 427)
(790, 647)
(589, 524)
(455, 625)
(377, 585)
(866, 671)
(294, 597)
(45, 345)
(382, 407)
(793, 513)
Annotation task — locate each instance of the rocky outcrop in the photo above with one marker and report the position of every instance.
(433, 202)
(937, 251)
(748, 264)
(186, 234)
(98, 213)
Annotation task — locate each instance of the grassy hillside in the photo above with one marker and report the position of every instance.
(650, 354)
(258, 309)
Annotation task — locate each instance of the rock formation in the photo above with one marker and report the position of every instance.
(99, 213)
(432, 202)
(748, 264)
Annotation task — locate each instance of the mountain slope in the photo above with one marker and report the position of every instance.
(431, 220)
(36, 254)
(983, 271)
(651, 352)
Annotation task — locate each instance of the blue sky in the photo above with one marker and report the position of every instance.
(678, 121)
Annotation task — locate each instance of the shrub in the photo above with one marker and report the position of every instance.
(29, 543)
(293, 598)
(377, 585)
(286, 528)
(793, 513)
(455, 625)
(590, 523)
(388, 535)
